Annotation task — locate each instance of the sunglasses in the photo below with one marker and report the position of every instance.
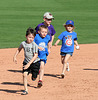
(48, 19)
(69, 25)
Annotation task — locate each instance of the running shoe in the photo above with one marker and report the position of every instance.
(39, 83)
(62, 75)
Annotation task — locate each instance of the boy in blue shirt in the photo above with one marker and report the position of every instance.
(48, 17)
(68, 38)
(43, 42)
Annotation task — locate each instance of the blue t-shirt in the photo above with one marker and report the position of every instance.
(67, 41)
(42, 42)
(51, 30)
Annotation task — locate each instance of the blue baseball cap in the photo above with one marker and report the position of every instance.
(69, 22)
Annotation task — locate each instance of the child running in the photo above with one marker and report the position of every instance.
(42, 40)
(31, 61)
(48, 17)
(68, 38)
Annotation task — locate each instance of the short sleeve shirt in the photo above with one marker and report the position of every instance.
(42, 42)
(51, 30)
(29, 50)
(67, 41)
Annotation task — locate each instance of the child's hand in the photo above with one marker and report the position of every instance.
(55, 44)
(50, 44)
(26, 66)
(15, 60)
(77, 47)
(41, 48)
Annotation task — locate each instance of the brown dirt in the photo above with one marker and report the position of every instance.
(81, 83)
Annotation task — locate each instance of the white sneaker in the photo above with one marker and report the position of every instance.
(67, 68)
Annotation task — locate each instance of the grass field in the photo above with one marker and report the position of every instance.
(17, 15)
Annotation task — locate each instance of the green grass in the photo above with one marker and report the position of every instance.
(17, 15)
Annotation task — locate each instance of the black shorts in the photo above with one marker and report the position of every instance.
(33, 69)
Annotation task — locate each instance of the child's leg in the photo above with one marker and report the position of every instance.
(25, 80)
(42, 65)
(64, 60)
(35, 70)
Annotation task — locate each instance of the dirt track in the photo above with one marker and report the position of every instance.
(81, 83)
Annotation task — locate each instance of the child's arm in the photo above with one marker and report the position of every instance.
(51, 41)
(32, 60)
(77, 45)
(57, 42)
(17, 52)
(41, 48)
(49, 46)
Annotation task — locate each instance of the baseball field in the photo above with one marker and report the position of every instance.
(81, 82)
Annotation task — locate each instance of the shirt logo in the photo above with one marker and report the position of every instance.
(70, 21)
(42, 44)
(27, 49)
(68, 41)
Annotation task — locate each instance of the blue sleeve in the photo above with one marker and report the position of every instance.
(60, 36)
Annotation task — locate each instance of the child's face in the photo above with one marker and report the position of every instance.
(30, 38)
(43, 32)
(47, 21)
(69, 28)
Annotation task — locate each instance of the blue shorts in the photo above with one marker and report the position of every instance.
(43, 60)
(64, 54)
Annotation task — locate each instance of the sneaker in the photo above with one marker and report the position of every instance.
(39, 83)
(24, 93)
(67, 68)
(62, 75)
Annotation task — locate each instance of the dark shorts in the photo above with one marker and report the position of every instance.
(64, 54)
(33, 69)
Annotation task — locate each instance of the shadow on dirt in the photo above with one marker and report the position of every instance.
(14, 91)
(11, 91)
(12, 83)
(52, 75)
(16, 83)
(20, 71)
(90, 69)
